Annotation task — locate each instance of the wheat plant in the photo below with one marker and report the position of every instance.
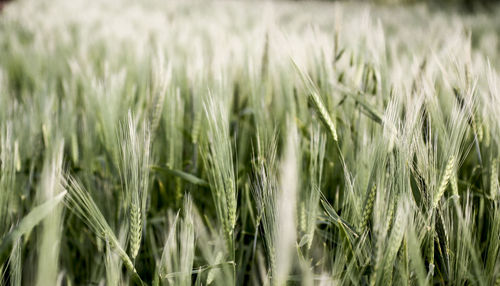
(242, 143)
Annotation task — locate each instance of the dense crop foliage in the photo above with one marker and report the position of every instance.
(161, 143)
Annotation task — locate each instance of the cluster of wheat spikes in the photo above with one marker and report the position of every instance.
(235, 143)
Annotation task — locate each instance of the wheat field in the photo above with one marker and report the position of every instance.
(239, 143)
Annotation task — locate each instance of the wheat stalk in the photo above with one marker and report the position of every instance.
(368, 209)
(448, 171)
(317, 102)
(134, 172)
(80, 202)
(494, 179)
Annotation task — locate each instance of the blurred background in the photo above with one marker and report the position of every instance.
(463, 5)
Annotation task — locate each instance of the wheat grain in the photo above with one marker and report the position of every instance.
(368, 208)
(494, 179)
(448, 171)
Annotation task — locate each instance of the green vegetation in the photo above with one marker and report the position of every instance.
(235, 143)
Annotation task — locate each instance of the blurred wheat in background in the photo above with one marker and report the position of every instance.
(238, 143)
